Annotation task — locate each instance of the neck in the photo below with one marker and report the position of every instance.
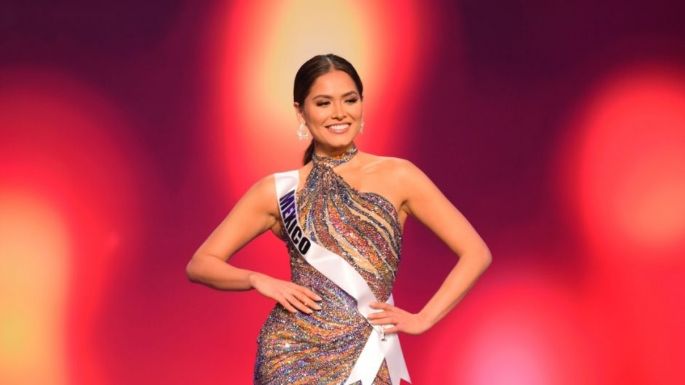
(332, 152)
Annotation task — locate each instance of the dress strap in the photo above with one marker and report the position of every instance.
(332, 161)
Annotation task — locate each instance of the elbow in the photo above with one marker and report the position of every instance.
(191, 270)
(487, 258)
(480, 257)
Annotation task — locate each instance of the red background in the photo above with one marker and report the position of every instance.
(128, 130)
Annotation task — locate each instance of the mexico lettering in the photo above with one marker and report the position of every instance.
(289, 215)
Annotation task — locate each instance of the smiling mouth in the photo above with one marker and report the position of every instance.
(338, 128)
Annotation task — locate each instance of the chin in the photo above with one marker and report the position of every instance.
(340, 142)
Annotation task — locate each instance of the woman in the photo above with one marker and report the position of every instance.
(335, 322)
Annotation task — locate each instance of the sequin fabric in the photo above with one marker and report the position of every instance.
(362, 227)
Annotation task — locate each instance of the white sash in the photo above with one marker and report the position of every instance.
(337, 269)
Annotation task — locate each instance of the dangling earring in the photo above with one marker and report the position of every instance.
(302, 132)
(361, 127)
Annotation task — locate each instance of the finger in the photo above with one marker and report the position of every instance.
(311, 294)
(306, 300)
(381, 305)
(383, 321)
(286, 305)
(391, 330)
(296, 303)
(377, 314)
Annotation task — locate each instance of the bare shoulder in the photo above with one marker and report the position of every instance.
(264, 184)
(397, 178)
(263, 194)
(394, 167)
(265, 188)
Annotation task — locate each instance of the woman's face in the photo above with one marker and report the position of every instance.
(332, 111)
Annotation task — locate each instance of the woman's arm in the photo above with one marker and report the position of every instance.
(253, 214)
(424, 201)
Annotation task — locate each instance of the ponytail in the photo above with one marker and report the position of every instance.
(308, 152)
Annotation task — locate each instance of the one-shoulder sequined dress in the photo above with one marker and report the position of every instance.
(363, 227)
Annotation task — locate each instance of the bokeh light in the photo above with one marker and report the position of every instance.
(527, 327)
(261, 44)
(34, 245)
(65, 199)
(623, 176)
(628, 168)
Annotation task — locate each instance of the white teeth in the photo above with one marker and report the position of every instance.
(339, 127)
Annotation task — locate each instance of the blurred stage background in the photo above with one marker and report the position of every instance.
(128, 130)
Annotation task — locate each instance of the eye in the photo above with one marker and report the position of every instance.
(353, 100)
(322, 103)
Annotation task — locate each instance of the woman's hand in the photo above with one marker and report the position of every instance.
(402, 320)
(292, 296)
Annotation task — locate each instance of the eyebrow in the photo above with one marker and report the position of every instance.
(329, 97)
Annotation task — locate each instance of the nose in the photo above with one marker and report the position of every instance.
(338, 112)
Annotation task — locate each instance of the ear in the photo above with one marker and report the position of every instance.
(298, 112)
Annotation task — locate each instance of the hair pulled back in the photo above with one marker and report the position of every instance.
(309, 72)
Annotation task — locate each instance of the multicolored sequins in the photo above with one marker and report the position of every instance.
(363, 228)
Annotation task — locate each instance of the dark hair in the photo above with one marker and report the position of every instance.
(310, 71)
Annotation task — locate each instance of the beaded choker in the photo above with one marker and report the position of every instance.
(333, 161)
